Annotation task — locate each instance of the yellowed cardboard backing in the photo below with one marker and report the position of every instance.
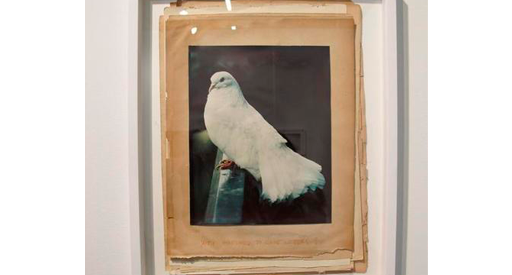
(180, 134)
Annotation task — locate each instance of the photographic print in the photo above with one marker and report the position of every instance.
(260, 135)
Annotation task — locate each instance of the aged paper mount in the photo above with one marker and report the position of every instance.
(354, 244)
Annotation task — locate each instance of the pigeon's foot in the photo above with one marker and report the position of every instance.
(226, 164)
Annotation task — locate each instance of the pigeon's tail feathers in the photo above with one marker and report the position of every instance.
(286, 174)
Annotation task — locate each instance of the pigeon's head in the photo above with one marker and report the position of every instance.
(222, 80)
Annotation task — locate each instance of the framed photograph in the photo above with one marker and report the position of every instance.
(261, 136)
(254, 221)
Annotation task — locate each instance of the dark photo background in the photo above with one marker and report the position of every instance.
(290, 87)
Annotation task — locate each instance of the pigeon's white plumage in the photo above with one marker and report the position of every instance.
(241, 133)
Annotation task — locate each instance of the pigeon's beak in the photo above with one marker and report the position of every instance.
(211, 87)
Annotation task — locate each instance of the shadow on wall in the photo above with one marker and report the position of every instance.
(403, 135)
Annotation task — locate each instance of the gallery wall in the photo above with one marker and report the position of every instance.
(107, 230)
(415, 17)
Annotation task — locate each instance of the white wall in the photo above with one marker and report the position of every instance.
(416, 17)
(107, 230)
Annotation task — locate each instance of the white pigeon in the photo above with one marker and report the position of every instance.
(248, 140)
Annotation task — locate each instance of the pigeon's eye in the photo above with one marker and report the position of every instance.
(222, 79)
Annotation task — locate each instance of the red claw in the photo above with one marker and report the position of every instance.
(226, 164)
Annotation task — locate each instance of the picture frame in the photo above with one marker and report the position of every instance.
(143, 214)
